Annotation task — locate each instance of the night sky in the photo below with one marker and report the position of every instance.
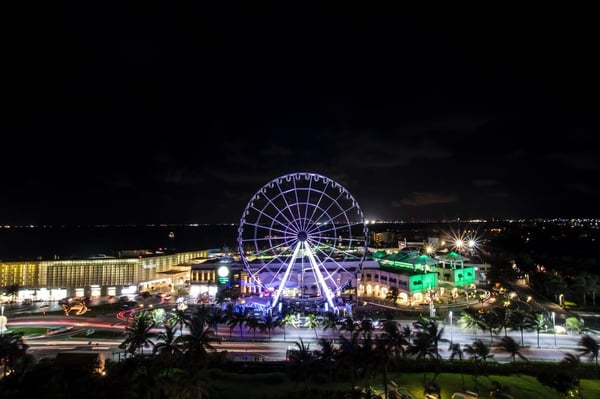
(164, 115)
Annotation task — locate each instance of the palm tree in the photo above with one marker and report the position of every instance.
(179, 318)
(252, 324)
(469, 319)
(456, 351)
(330, 323)
(215, 317)
(13, 350)
(199, 341)
(349, 354)
(538, 322)
(168, 346)
(492, 323)
(478, 352)
(312, 322)
(237, 317)
(425, 343)
(392, 295)
(571, 362)
(586, 283)
(519, 320)
(348, 324)
(302, 359)
(431, 328)
(139, 335)
(287, 320)
(382, 357)
(509, 345)
(396, 341)
(589, 347)
(12, 290)
(365, 353)
(503, 316)
(327, 356)
(407, 332)
(268, 323)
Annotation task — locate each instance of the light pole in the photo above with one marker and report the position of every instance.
(431, 304)
(450, 314)
(554, 326)
(3, 321)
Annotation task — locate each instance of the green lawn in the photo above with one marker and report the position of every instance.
(225, 385)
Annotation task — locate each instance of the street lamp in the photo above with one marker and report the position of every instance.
(431, 304)
(554, 326)
(450, 314)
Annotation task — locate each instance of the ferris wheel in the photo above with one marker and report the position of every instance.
(302, 235)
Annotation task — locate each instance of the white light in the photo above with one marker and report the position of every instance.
(223, 271)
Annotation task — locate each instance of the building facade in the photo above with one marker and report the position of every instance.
(100, 276)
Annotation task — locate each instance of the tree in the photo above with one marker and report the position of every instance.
(519, 320)
(538, 322)
(589, 347)
(326, 356)
(395, 339)
(287, 320)
(236, 317)
(425, 343)
(430, 328)
(562, 381)
(268, 323)
(12, 290)
(252, 324)
(139, 335)
(503, 316)
(478, 352)
(492, 323)
(199, 341)
(587, 283)
(573, 324)
(168, 346)
(13, 351)
(456, 352)
(509, 345)
(302, 359)
(392, 295)
(469, 319)
(312, 322)
(349, 355)
(179, 318)
(215, 317)
(348, 324)
(330, 323)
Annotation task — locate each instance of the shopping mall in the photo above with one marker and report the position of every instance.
(200, 274)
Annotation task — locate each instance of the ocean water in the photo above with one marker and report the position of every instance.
(50, 242)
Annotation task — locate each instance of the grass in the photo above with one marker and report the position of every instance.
(277, 385)
(29, 331)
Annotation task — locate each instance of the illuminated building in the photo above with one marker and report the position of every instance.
(98, 276)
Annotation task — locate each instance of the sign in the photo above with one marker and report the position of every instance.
(223, 274)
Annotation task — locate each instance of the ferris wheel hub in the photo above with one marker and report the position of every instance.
(302, 236)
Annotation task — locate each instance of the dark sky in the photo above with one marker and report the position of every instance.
(165, 115)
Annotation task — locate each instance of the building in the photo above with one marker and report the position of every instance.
(46, 280)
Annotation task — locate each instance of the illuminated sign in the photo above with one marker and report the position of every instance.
(223, 274)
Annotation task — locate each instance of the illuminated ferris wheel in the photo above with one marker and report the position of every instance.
(302, 235)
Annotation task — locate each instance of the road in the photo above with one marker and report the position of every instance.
(259, 346)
